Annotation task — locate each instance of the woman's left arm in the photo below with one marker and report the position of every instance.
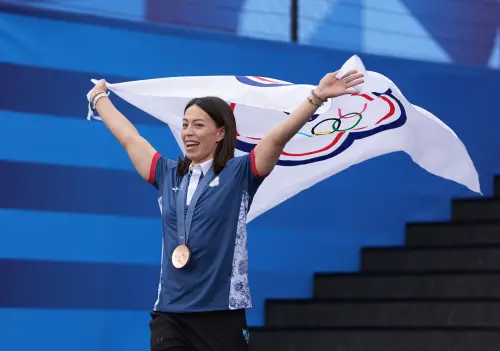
(268, 150)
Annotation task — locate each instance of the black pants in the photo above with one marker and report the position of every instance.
(199, 331)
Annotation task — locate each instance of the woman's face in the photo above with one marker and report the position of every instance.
(200, 135)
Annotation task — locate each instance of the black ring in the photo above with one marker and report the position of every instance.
(328, 119)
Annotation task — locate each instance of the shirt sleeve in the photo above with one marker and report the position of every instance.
(159, 170)
(249, 174)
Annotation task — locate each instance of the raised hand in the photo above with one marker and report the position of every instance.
(100, 86)
(331, 86)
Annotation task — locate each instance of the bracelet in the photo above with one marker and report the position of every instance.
(96, 98)
(92, 103)
(317, 97)
(313, 102)
(91, 97)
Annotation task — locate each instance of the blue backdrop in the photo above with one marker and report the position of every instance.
(79, 258)
(446, 31)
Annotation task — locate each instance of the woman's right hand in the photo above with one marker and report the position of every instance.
(100, 86)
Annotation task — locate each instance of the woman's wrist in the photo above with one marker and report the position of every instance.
(95, 96)
(98, 98)
(319, 93)
(316, 98)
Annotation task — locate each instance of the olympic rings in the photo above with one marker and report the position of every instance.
(326, 131)
(355, 124)
(336, 124)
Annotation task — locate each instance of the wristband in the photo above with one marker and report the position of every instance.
(96, 98)
(92, 102)
(317, 97)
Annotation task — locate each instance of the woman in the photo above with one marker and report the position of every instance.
(204, 198)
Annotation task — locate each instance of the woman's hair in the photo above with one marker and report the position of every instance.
(223, 116)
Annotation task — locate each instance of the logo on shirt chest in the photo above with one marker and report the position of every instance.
(214, 182)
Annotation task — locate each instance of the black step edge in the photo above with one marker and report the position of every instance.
(452, 223)
(359, 274)
(375, 329)
(476, 199)
(430, 247)
(496, 186)
(441, 300)
(472, 201)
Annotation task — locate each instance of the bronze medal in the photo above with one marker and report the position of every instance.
(180, 256)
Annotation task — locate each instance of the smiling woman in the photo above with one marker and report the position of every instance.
(204, 127)
(204, 200)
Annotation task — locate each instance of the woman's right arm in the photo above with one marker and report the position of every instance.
(140, 151)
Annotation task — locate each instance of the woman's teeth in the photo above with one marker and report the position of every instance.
(191, 144)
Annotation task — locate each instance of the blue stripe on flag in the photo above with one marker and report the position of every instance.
(99, 286)
(56, 188)
(67, 141)
(79, 237)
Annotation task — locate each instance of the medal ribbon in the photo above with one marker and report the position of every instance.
(184, 223)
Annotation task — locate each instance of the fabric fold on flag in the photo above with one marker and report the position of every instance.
(345, 131)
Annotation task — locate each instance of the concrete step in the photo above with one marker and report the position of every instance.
(431, 259)
(476, 210)
(310, 313)
(407, 285)
(363, 339)
(452, 234)
(496, 187)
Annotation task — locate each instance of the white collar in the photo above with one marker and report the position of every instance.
(205, 166)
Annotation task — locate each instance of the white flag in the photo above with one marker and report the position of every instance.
(345, 131)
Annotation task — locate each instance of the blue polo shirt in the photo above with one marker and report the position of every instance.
(216, 277)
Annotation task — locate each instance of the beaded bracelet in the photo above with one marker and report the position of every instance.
(315, 99)
(314, 102)
(96, 98)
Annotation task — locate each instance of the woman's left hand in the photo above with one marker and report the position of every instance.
(330, 86)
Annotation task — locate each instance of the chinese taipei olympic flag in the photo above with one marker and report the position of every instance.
(345, 131)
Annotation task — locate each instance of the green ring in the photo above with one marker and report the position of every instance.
(346, 115)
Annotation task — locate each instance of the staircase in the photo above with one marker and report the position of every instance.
(441, 292)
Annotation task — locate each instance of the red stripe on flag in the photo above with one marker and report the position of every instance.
(392, 109)
(265, 79)
(335, 141)
(368, 97)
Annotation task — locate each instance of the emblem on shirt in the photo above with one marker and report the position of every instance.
(214, 182)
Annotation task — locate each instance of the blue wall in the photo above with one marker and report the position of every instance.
(79, 258)
(446, 31)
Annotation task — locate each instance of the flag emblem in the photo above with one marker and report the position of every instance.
(333, 134)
